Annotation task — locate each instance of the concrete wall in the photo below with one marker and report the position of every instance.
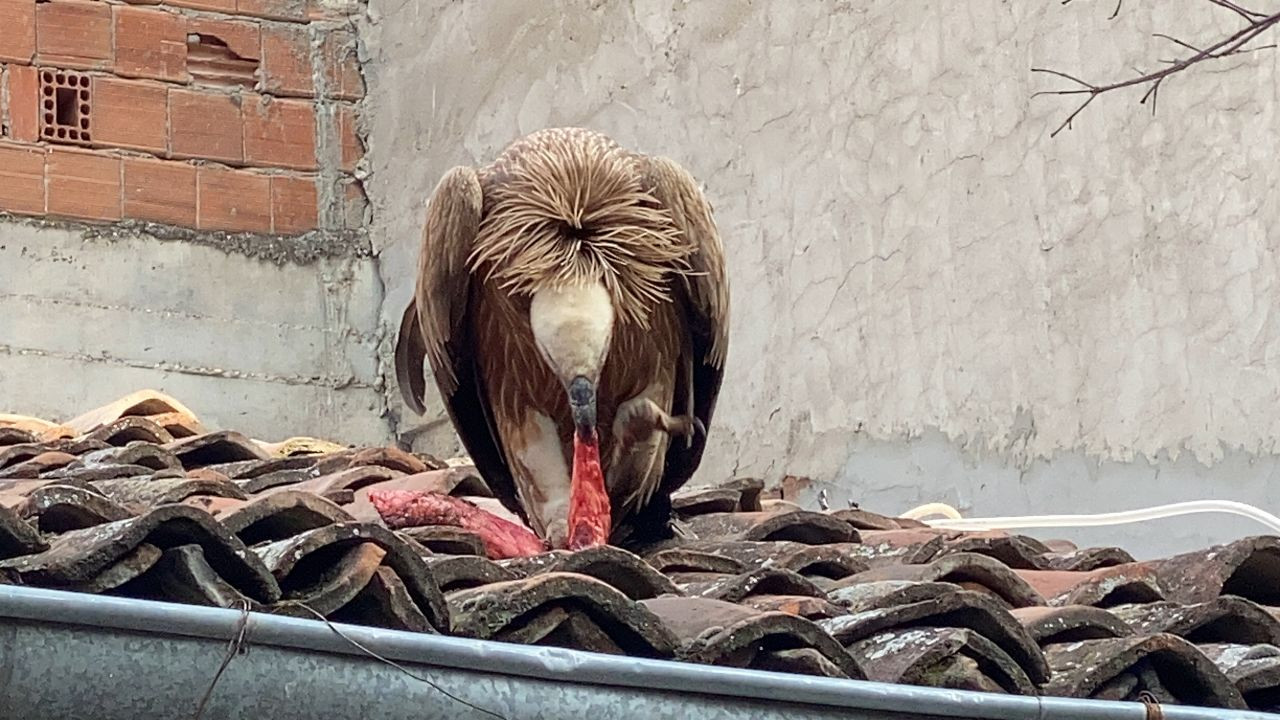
(253, 341)
(933, 300)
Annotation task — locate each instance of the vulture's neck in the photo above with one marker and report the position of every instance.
(573, 326)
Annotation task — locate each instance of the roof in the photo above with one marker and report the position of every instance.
(139, 499)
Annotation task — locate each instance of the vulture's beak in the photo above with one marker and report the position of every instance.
(582, 401)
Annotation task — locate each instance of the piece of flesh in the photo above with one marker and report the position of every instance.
(502, 539)
(590, 518)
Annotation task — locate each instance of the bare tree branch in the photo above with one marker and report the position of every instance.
(1236, 43)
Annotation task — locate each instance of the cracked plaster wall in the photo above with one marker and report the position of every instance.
(933, 300)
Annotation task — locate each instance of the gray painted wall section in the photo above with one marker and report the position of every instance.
(932, 299)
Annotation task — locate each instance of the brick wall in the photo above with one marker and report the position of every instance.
(231, 115)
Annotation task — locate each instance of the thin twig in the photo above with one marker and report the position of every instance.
(1236, 43)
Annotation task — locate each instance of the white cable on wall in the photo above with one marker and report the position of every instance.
(952, 519)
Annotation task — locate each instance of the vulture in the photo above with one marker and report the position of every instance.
(572, 304)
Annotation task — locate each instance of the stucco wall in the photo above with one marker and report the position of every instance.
(933, 300)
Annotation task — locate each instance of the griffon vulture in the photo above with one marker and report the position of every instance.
(572, 303)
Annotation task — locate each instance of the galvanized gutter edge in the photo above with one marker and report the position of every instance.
(565, 666)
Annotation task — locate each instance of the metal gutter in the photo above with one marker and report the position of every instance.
(71, 655)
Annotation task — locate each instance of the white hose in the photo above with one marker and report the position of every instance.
(952, 520)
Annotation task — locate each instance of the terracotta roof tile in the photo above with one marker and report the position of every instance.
(974, 572)
(59, 508)
(941, 657)
(1226, 619)
(1249, 568)
(954, 609)
(716, 632)
(139, 499)
(1104, 587)
(1069, 623)
(1171, 669)
(1255, 670)
(561, 608)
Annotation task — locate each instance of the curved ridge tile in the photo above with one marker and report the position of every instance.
(835, 562)
(872, 595)
(57, 508)
(715, 632)
(864, 520)
(282, 515)
(622, 570)
(766, 581)
(959, 609)
(1069, 623)
(142, 402)
(215, 448)
(16, 436)
(944, 657)
(1019, 552)
(1166, 666)
(974, 572)
(75, 557)
(541, 609)
(129, 566)
(131, 429)
(704, 501)
(1249, 567)
(385, 601)
(148, 455)
(1227, 619)
(805, 606)
(462, 572)
(680, 559)
(802, 526)
(1255, 670)
(38, 465)
(184, 575)
(330, 564)
(1105, 587)
(17, 536)
(1086, 559)
(150, 492)
(908, 546)
(446, 539)
(388, 457)
(737, 495)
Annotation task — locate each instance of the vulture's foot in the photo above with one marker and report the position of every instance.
(502, 538)
(638, 419)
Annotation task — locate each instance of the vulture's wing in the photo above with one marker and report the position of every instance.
(705, 298)
(435, 327)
